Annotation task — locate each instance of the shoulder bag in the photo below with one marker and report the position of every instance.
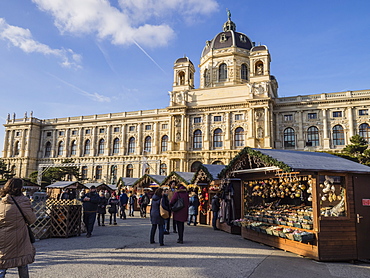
(179, 204)
(165, 214)
(30, 233)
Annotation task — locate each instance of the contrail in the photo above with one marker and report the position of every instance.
(149, 56)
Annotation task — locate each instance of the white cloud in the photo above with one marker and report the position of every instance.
(124, 26)
(22, 38)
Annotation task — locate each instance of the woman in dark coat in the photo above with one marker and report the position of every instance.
(155, 217)
(180, 216)
(102, 208)
(113, 208)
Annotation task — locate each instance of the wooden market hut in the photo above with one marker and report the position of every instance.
(28, 187)
(99, 186)
(126, 183)
(184, 178)
(55, 189)
(313, 204)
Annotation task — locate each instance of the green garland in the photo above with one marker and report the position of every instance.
(268, 160)
(205, 170)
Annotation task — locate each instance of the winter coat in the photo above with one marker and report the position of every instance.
(123, 199)
(113, 203)
(102, 205)
(182, 214)
(215, 203)
(155, 213)
(193, 205)
(92, 205)
(15, 246)
(131, 199)
(145, 200)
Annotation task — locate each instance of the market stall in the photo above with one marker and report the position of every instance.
(55, 189)
(313, 204)
(126, 183)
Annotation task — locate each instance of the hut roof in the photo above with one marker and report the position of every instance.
(127, 181)
(158, 179)
(288, 161)
(185, 177)
(62, 184)
(96, 184)
(211, 171)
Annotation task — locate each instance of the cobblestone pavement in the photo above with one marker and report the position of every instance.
(124, 251)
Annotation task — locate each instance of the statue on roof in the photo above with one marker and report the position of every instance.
(228, 14)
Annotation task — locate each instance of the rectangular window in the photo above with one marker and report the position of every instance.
(87, 131)
(337, 114)
(197, 120)
(164, 126)
(288, 118)
(131, 128)
(148, 127)
(101, 130)
(312, 116)
(48, 133)
(363, 112)
(74, 132)
(217, 118)
(116, 129)
(18, 133)
(238, 117)
(61, 133)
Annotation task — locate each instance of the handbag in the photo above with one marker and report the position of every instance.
(30, 233)
(179, 204)
(164, 213)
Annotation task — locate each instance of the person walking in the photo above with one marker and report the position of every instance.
(102, 208)
(155, 217)
(16, 249)
(123, 200)
(145, 200)
(180, 216)
(90, 206)
(113, 208)
(131, 203)
(215, 207)
(193, 208)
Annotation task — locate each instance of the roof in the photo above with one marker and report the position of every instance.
(158, 179)
(96, 184)
(61, 184)
(289, 160)
(128, 181)
(183, 60)
(185, 177)
(211, 170)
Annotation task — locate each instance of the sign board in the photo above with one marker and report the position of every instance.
(366, 202)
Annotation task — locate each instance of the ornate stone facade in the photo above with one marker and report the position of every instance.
(237, 105)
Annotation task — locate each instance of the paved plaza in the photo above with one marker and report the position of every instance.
(124, 251)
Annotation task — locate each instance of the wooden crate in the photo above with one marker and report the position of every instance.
(65, 220)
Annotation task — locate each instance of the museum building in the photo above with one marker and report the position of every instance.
(236, 105)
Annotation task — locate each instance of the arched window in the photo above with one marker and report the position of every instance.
(207, 78)
(87, 147)
(60, 148)
(116, 146)
(217, 138)
(289, 138)
(239, 137)
(244, 72)
(84, 172)
(98, 172)
(197, 140)
(259, 68)
(222, 72)
(131, 145)
(47, 149)
(101, 146)
(195, 166)
(163, 169)
(313, 136)
(364, 131)
(182, 78)
(129, 171)
(164, 143)
(148, 144)
(338, 135)
(74, 147)
(16, 148)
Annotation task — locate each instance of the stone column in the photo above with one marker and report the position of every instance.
(6, 144)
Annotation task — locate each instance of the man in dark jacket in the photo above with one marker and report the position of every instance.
(90, 206)
(123, 199)
(215, 209)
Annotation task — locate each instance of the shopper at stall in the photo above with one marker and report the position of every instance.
(180, 216)
(102, 208)
(90, 206)
(155, 217)
(16, 249)
(145, 200)
(123, 200)
(131, 203)
(193, 208)
(215, 207)
(113, 203)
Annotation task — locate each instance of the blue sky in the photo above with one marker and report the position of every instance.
(65, 58)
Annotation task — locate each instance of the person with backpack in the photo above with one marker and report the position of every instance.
(144, 203)
(180, 215)
(123, 200)
(131, 203)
